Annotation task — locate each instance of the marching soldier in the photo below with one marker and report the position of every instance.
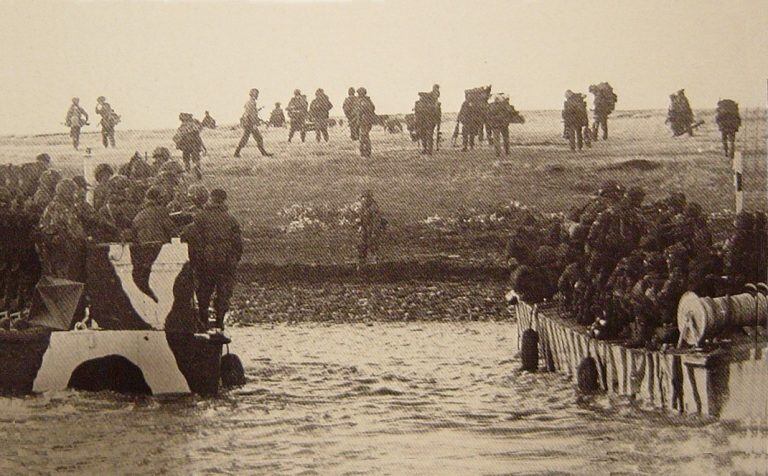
(470, 117)
(605, 103)
(319, 110)
(575, 119)
(250, 123)
(350, 111)
(728, 121)
(109, 119)
(76, 118)
(188, 140)
(365, 117)
(297, 112)
(426, 116)
(500, 116)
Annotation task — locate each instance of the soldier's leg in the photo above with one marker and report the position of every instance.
(243, 141)
(225, 284)
(185, 157)
(569, 133)
(595, 128)
(505, 137)
(325, 131)
(732, 137)
(604, 123)
(430, 138)
(724, 136)
(260, 142)
(303, 132)
(587, 136)
(497, 142)
(464, 138)
(291, 131)
(104, 137)
(579, 138)
(204, 292)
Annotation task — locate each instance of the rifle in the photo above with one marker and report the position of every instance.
(455, 134)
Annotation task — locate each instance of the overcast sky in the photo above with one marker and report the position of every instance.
(153, 60)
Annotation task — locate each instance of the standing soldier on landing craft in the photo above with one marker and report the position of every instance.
(76, 118)
(221, 247)
(350, 108)
(297, 112)
(319, 109)
(250, 122)
(365, 117)
(109, 119)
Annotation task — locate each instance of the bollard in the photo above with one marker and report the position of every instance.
(529, 350)
(232, 371)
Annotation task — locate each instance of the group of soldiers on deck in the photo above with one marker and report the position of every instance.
(47, 224)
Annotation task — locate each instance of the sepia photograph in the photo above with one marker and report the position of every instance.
(383, 237)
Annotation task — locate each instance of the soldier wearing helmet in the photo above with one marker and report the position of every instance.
(76, 118)
(109, 119)
(365, 117)
(297, 112)
(160, 156)
(350, 110)
(250, 123)
(120, 210)
(62, 237)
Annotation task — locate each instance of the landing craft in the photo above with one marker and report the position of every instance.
(139, 332)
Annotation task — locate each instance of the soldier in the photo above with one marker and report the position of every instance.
(76, 118)
(221, 247)
(102, 174)
(319, 109)
(728, 121)
(470, 117)
(46, 189)
(575, 119)
(137, 168)
(109, 119)
(120, 209)
(62, 243)
(438, 113)
(250, 122)
(297, 112)
(96, 227)
(153, 223)
(160, 156)
(426, 117)
(371, 227)
(208, 122)
(500, 115)
(188, 140)
(365, 117)
(604, 102)
(277, 117)
(350, 111)
(680, 115)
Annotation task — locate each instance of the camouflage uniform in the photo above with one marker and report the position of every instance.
(76, 119)
(426, 118)
(62, 236)
(365, 117)
(221, 247)
(250, 123)
(297, 112)
(350, 112)
(109, 120)
(319, 110)
(120, 209)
